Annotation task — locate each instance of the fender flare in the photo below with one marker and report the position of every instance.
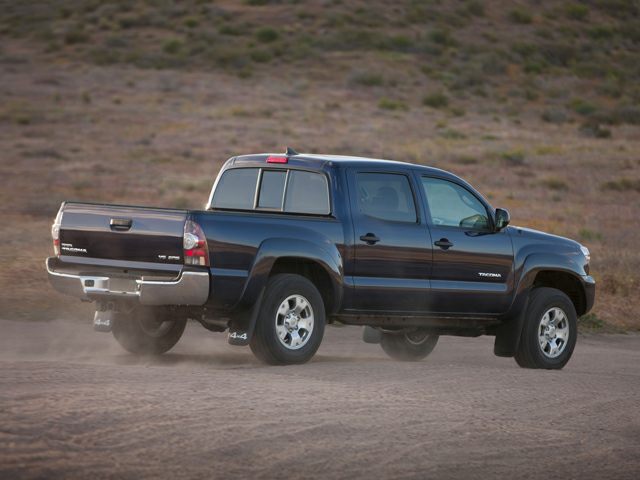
(508, 334)
(248, 306)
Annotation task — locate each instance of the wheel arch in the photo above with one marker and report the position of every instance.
(322, 264)
(539, 270)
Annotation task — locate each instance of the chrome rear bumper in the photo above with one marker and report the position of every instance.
(189, 288)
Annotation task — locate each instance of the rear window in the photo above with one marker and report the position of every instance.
(236, 189)
(272, 189)
(290, 191)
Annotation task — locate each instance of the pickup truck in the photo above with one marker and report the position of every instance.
(290, 242)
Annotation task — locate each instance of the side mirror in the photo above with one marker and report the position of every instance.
(502, 218)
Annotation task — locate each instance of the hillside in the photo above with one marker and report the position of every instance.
(536, 103)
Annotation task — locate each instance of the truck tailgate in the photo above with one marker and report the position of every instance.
(117, 232)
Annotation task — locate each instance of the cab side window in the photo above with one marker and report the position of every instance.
(452, 205)
(386, 196)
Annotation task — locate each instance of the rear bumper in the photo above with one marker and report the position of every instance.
(190, 287)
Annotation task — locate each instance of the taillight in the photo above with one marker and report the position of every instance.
(55, 233)
(196, 251)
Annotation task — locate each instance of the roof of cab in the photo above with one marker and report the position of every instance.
(320, 161)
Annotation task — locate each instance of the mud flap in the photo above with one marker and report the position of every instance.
(243, 324)
(508, 335)
(103, 320)
(371, 335)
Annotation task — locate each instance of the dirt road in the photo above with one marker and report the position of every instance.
(73, 405)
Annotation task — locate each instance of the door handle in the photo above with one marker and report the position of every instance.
(443, 243)
(120, 224)
(370, 238)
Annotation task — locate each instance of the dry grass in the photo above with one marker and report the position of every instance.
(121, 132)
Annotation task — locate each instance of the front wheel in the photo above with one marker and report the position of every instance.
(290, 325)
(147, 331)
(408, 347)
(550, 330)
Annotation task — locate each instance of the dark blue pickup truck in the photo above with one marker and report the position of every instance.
(291, 242)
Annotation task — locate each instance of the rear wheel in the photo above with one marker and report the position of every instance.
(408, 347)
(147, 331)
(291, 322)
(550, 330)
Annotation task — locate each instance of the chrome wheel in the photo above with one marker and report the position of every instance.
(294, 322)
(553, 332)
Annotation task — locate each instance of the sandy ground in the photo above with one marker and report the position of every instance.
(73, 405)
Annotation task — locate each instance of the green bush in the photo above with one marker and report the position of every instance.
(513, 157)
(260, 56)
(436, 100)
(554, 115)
(554, 183)
(172, 47)
(589, 235)
(367, 79)
(582, 107)
(593, 129)
(576, 11)
(622, 185)
(75, 36)
(520, 16)
(475, 8)
(391, 104)
(601, 32)
(267, 35)
(442, 37)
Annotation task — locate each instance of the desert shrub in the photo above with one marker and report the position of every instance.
(589, 235)
(591, 321)
(534, 66)
(231, 29)
(191, 22)
(367, 79)
(465, 160)
(554, 115)
(622, 185)
(582, 107)
(493, 64)
(436, 100)
(475, 8)
(594, 129)
(622, 9)
(391, 104)
(601, 32)
(267, 35)
(520, 16)
(442, 37)
(559, 54)
(74, 36)
(627, 114)
(576, 11)
(117, 42)
(261, 56)
(554, 183)
(172, 46)
(452, 134)
(513, 157)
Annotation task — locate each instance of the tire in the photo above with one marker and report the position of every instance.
(290, 325)
(408, 347)
(147, 331)
(550, 330)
